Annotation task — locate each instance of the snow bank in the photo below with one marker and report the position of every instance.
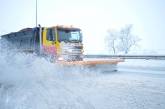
(156, 67)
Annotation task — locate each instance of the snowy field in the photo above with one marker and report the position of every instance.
(30, 82)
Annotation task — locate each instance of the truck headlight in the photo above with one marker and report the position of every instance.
(60, 58)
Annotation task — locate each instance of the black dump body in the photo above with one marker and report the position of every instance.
(26, 40)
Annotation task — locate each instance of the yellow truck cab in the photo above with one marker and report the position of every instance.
(63, 42)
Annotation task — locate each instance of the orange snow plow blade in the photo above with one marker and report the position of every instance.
(92, 62)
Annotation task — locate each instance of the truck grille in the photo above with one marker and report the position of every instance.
(72, 51)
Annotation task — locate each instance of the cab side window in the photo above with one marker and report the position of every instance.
(50, 34)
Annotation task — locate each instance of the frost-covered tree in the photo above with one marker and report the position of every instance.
(127, 39)
(121, 41)
(111, 40)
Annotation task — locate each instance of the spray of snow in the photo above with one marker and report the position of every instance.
(31, 82)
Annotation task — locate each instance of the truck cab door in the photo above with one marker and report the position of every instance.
(49, 41)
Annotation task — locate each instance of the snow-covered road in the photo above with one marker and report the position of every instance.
(29, 82)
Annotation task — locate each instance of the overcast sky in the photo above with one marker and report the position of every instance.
(94, 17)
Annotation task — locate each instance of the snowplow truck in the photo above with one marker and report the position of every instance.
(59, 42)
(63, 44)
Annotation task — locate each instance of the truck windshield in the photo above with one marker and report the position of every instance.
(69, 35)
